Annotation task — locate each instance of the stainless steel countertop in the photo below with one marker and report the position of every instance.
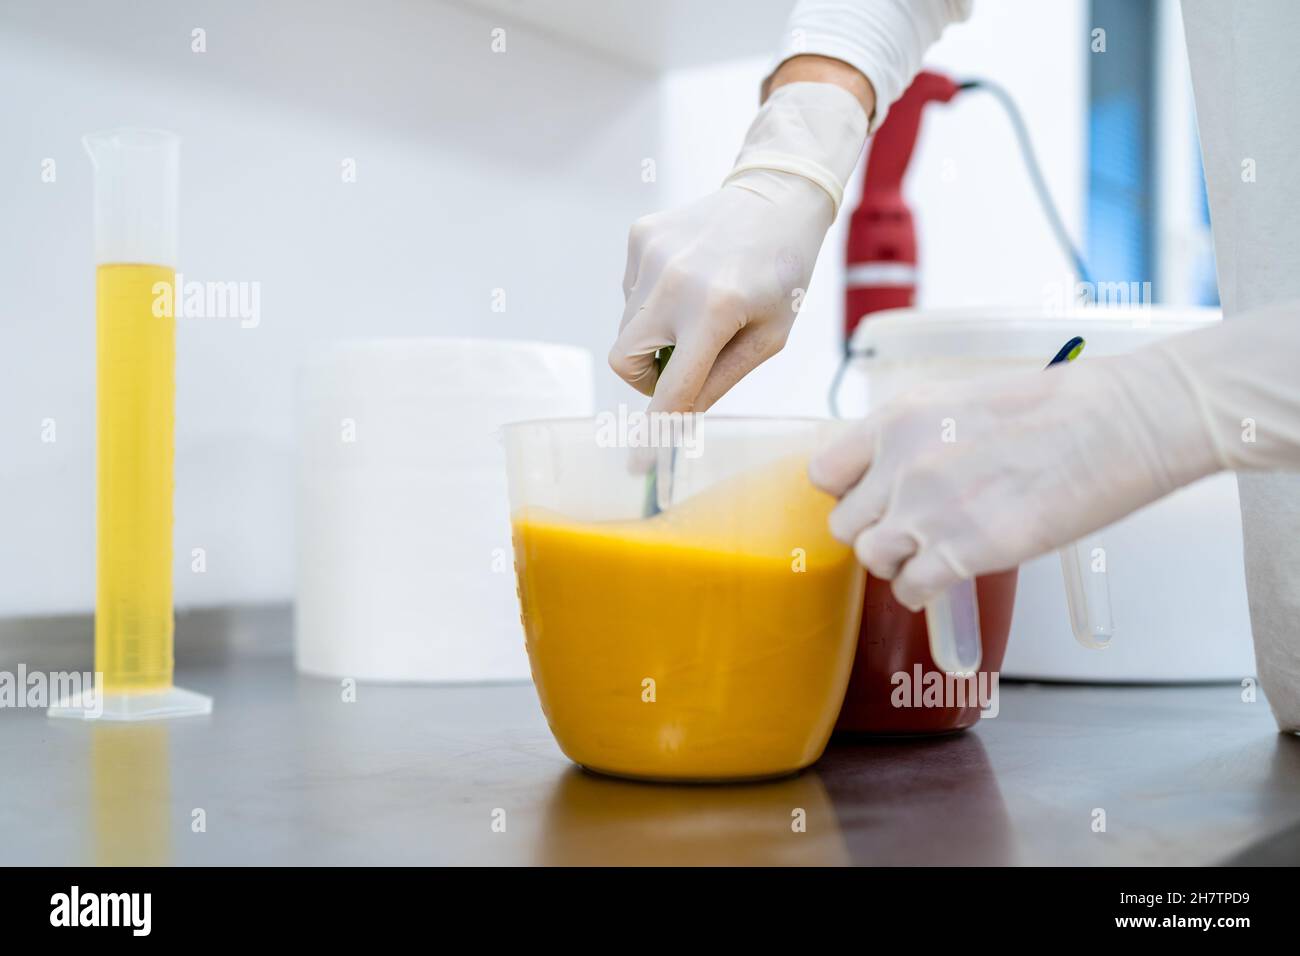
(285, 772)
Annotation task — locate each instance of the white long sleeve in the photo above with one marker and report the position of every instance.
(1245, 73)
(884, 39)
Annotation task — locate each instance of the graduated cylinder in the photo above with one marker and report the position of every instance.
(135, 259)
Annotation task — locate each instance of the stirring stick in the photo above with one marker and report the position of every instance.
(953, 619)
(1086, 595)
(652, 483)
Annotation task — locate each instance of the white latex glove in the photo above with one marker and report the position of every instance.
(721, 278)
(1040, 459)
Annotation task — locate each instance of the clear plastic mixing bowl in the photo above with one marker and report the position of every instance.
(688, 616)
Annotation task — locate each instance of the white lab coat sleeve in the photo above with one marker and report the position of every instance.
(883, 39)
(1245, 73)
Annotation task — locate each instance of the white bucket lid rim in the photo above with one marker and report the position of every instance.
(1017, 332)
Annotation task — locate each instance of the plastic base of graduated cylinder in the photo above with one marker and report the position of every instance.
(162, 705)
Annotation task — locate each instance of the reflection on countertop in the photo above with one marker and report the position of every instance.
(897, 796)
(592, 820)
(292, 770)
(130, 799)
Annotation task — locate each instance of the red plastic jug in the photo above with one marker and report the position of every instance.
(893, 641)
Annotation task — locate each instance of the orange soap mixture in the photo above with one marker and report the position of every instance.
(712, 641)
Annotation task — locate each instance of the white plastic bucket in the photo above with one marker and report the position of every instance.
(404, 562)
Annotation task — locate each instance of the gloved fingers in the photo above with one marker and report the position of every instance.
(637, 300)
(923, 578)
(882, 549)
(859, 509)
(632, 356)
(694, 353)
(750, 348)
(842, 463)
(635, 250)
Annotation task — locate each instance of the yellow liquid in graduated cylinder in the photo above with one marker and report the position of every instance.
(136, 396)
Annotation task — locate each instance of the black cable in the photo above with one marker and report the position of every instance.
(1035, 172)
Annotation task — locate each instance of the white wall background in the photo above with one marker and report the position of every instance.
(475, 171)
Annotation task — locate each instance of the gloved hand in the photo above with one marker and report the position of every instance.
(1039, 459)
(720, 279)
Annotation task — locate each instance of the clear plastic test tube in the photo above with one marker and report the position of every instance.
(1087, 592)
(953, 623)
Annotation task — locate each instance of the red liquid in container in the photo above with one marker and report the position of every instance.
(892, 640)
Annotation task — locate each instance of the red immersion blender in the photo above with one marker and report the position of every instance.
(887, 692)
